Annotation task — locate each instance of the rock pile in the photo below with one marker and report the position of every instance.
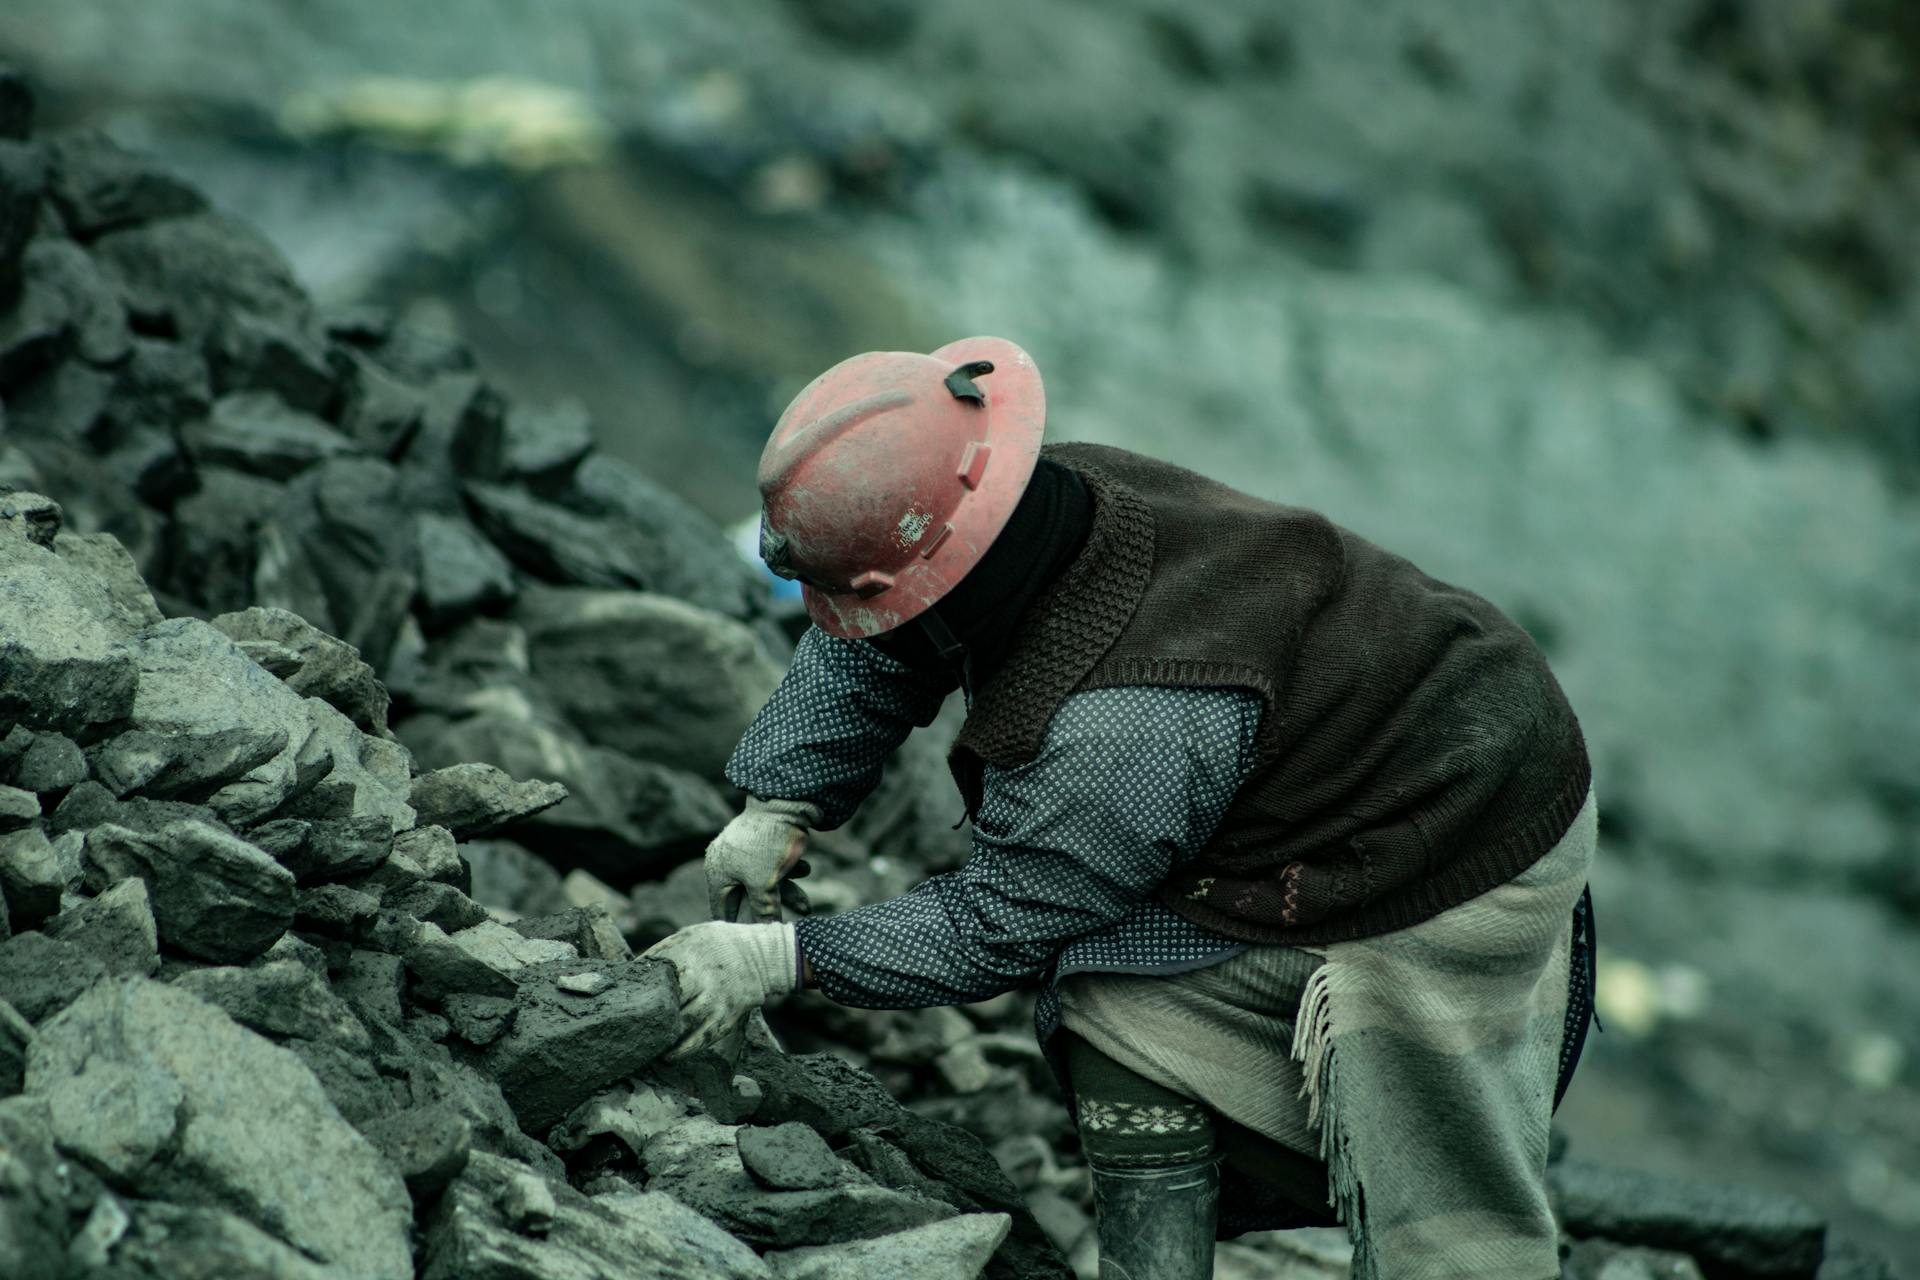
(272, 1003)
(253, 1023)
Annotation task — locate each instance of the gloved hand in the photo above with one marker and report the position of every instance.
(726, 971)
(752, 853)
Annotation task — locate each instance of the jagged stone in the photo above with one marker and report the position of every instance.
(166, 764)
(117, 928)
(790, 1157)
(329, 669)
(23, 179)
(95, 314)
(440, 966)
(113, 1115)
(589, 931)
(542, 444)
(1604, 1260)
(249, 353)
(91, 805)
(584, 984)
(959, 1247)
(100, 186)
(371, 982)
(63, 665)
(428, 1145)
(562, 546)
(161, 384)
(561, 1051)
(259, 433)
(469, 1235)
(214, 895)
(335, 911)
(508, 951)
(282, 999)
(479, 1020)
(632, 1113)
(65, 404)
(380, 411)
(253, 1132)
(461, 573)
(216, 530)
(696, 1162)
(36, 331)
(193, 271)
(367, 776)
(31, 875)
(300, 951)
(474, 799)
(1745, 1231)
(40, 975)
(16, 1034)
(326, 849)
(106, 561)
(433, 850)
(18, 807)
(46, 1194)
(53, 764)
(437, 903)
(528, 1204)
(654, 677)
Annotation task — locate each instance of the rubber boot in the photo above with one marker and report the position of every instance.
(1157, 1224)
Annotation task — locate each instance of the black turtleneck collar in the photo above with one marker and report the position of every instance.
(1048, 528)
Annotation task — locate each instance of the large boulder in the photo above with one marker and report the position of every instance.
(244, 1124)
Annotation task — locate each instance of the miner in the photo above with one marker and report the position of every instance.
(1290, 838)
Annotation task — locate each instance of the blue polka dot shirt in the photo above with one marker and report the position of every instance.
(1067, 848)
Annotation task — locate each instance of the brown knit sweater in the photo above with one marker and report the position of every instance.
(1415, 750)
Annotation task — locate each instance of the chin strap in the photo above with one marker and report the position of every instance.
(951, 647)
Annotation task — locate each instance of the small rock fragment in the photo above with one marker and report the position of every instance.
(433, 850)
(99, 185)
(18, 807)
(527, 1204)
(329, 669)
(53, 764)
(958, 1247)
(31, 876)
(1741, 1230)
(584, 984)
(479, 1020)
(259, 433)
(335, 911)
(429, 1145)
(437, 903)
(461, 573)
(40, 975)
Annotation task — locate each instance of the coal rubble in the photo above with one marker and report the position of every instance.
(341, 704)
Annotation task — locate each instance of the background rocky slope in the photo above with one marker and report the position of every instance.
(1600, 307)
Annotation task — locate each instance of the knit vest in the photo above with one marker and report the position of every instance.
(1414, 749)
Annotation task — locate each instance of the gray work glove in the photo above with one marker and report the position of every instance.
(751, 855)
(726, 971)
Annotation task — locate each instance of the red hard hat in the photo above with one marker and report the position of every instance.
(888, 477)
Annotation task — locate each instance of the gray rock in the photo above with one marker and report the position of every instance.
(46, 1194)
(259, 433)
(623, 817)
(1846, 1260)
(161, 384)
(216, 529)
(479, 1020)
(335, 911)
(648, 675)
(214, 895)
(117, 928)
(96, 317)
(367, 776)
(18, 807)
(697, 562)
(469, 1236)
(790, 1157)
(1742, 1230)
(437, 903)
(433, 850)
(561, 1050)
(184, 764)
(476, 798)
(63, 405)
(298, 950)
(106, 559)
(253, 1132)
(63, 664)
(696, 1162)
(588, 930)
(39, 975)
(16, 1035)
(115, 1115)
(528, 1205)
(441, 967)
(100, 186)
(429, 1146)
(959, 1247)
(371, 983)
(33, 515)
(508, 951)
(36, 331)
(249, 353)
(542, 444)
(461, 573)
(507, 876)
(283, 999)
(562, 546)
(326, 849)
(23, 178)
(380, 411)
(164, 1241)
(198, 269)
(53, 764)
(1605, 1260)
(584, 984)
(329, 669)
(30, 874)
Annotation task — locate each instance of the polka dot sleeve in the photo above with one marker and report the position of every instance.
(826, 732)
(1129, 783)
